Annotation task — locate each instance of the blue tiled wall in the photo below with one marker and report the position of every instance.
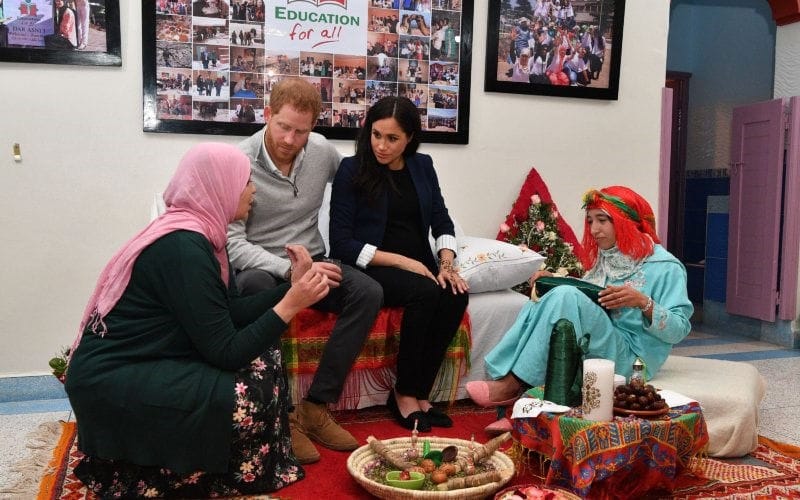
(694, 282)
(699, 186)
(716, 268)
(30, 388)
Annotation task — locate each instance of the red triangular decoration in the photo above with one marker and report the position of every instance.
(519, 211)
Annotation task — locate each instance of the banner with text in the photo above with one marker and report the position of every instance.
(330, 25)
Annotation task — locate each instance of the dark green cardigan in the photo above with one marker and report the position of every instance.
(158, 388)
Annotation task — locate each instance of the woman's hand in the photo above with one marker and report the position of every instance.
(306, 290)
(300, 259)
(415, 266)
(617, 297)
(538, 274)
(448, 274)
(451, 276)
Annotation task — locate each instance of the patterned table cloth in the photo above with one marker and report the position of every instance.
(623, 458)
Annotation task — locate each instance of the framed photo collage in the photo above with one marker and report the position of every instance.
(210, 65)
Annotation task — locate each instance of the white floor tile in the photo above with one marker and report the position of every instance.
(781, 424)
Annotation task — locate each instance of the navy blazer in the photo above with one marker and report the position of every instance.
(354, 222)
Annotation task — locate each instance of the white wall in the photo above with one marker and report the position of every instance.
(716, 86)
(787, 72)
(88, 172)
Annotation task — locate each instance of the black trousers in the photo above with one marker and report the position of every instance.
(356, 300)
(430, 321)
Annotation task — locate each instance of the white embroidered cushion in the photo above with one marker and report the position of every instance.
(488, 265)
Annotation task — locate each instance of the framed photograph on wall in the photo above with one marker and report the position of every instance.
(60, 32)
(209, 65)
(566, 48)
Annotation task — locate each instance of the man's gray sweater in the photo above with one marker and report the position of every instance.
(285, 209)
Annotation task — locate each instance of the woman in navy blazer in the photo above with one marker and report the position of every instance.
(385, 201)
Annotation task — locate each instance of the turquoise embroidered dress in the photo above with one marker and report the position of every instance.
(620, 335)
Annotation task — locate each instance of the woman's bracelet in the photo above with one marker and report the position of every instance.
(648, 306)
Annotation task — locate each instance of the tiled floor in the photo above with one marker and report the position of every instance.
(779, 416)
(780, 409)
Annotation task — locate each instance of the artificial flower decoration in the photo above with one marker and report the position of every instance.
(535, 223)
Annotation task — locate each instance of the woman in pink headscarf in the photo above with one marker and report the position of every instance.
(175, 380)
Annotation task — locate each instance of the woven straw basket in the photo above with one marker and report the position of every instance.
(559, 492)
(364, 455)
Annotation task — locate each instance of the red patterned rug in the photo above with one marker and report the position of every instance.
(771, 471)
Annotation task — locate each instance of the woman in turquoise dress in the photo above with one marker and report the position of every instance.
(175, 380)
(643, 310)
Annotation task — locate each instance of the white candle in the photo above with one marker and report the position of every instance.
(619, 380)
(598, 389)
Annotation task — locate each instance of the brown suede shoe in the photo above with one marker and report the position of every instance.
(318, 424)
(302, 447)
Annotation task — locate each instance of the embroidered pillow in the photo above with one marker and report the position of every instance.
(488, 265)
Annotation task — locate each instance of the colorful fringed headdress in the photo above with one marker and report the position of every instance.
(633, 219)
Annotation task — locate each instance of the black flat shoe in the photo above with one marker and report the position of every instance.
(438, 418)
(423, 425)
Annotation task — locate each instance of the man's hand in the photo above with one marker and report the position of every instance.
(302, 262)
(331, 271)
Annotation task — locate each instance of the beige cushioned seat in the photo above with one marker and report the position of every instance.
(729, 393)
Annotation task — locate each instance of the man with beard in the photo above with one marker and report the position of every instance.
(290, 167)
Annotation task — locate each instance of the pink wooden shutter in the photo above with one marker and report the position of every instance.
(790, 240)
(755, 209)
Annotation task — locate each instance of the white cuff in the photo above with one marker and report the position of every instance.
(366, 255)
(447, 241)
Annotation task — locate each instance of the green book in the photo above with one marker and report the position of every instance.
(547, 283)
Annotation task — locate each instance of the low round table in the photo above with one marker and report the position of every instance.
(623, 458)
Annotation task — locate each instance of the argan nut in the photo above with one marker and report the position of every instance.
(438, 476)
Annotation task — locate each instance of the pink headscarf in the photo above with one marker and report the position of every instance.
(203, 196)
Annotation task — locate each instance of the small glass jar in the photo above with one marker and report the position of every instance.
(637, 375)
